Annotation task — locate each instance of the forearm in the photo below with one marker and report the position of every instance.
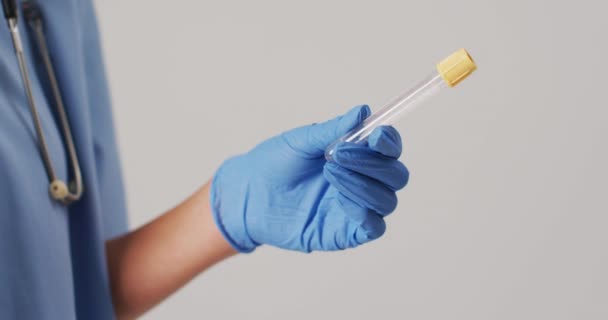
(150, 263)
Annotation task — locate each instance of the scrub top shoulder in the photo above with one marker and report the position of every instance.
(52, 258)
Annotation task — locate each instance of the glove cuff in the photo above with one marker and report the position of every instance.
(228, 214)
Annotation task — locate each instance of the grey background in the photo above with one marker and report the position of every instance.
(505, 216)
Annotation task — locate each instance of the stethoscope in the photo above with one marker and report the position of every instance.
(58, 189)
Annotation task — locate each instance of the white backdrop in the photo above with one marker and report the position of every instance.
(505, 216)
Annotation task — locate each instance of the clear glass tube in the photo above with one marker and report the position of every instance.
(393, 111)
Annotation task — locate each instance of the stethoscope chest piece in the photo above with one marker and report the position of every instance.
(58, 190)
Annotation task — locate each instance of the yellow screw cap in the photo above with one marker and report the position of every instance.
(456, 67)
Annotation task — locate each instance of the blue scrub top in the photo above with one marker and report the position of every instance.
(52, 261)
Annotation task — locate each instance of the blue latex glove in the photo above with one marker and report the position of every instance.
(284, 193)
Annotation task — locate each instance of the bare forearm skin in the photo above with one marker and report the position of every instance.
(150, 263)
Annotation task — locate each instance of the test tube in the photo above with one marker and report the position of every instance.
(448, 73)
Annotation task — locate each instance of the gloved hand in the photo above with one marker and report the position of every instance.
(284, 193)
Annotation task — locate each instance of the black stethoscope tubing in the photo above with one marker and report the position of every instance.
(58, 189)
